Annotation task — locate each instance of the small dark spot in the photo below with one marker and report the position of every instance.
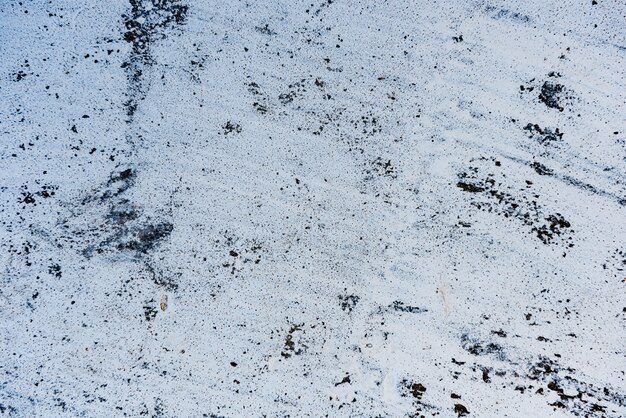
(499, 333)
(486, 377)
(461, 410)
(346, 379)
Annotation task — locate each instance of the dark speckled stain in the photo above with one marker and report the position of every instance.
(551, 94)
(125, 228)
(145, 24)
(544, 374)
(55, 270)
(291, 348)
(147, 237)
(499, 333)
(417, 390)
(555, 227)
(150, 311)
(119, 182)
(517, 206)
(137, 239)
(28, 198)
(545, 136)
(231, 128)
(541, 169)
(122, 212)
(265, 30)
(621, 200)
(402, 307)
(32, 198)
(384, 167)
(481, 348)
(8, 409)
(159, 408)
(469, 187)
(497, 14)
(587, 402)
(348, 302)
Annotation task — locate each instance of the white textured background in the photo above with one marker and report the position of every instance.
(284, 208)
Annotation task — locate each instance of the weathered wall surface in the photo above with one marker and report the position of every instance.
(284, 208)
